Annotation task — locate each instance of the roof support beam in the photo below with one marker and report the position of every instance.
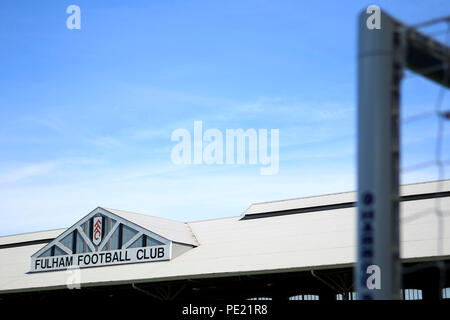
(86, 239)
(63, 247)
(106, 239)
(130, 242)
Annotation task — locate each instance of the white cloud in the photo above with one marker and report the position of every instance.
(25, 172)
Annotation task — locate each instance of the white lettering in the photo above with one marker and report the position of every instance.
(374, 280)
(208, 147)
(374, 21)
(74, 20)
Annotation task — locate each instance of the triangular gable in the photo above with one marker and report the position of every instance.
(101, 238)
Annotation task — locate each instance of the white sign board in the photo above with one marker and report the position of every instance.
(101, 258)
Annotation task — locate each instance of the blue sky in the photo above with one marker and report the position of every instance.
(86, 115)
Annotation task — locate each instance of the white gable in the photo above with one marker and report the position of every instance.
(108, 236)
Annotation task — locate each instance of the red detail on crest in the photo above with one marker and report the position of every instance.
(98, 229)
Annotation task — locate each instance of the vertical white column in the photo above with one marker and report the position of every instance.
(378, 158)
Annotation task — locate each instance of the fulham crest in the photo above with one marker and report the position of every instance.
(97, 231)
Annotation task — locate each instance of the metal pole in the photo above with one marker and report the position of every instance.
(379, 71)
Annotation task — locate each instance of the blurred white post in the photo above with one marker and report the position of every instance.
(379, 72)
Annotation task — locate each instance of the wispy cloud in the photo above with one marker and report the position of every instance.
(25, 172)
(105, 142)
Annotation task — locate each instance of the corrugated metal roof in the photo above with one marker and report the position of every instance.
(234, 246)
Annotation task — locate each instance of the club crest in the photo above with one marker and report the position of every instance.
(97, 231)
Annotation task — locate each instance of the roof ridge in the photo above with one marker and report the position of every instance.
(302, 198)
(194, 237)
(343, 192)
(29, 232)
(143, 214)
(212, 219)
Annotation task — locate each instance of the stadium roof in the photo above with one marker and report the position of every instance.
(276, 239)
(170, 229)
